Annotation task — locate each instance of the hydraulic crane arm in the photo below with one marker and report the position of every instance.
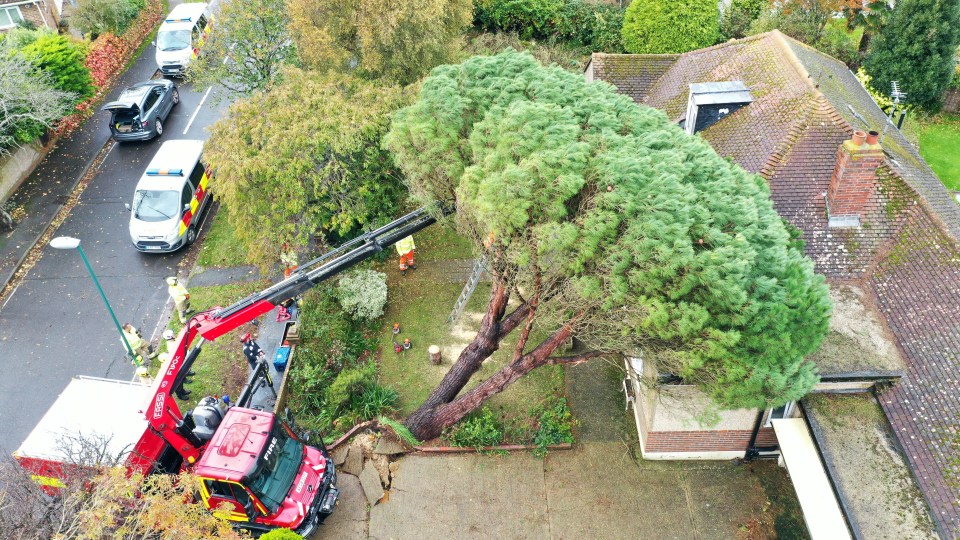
(163, 414)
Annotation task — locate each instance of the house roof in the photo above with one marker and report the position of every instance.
(906, 254)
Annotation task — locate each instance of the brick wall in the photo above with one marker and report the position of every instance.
(706, 441)
(31, 12)
(854, 180)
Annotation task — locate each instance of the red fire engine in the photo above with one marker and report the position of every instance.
(249, 459)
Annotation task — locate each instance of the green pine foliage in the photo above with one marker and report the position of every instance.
(657, 27)
(63, 60)
(916, 48)
(645, 239)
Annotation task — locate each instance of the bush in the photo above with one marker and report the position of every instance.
(839, 43)
(281, 534)
(375, 400)
(555, 426)
(580, 23)
(363, 293)
(595, 26)
(656, 27)
(95, 17)
(530, 19)
(477, 430)
(558, 54)
(350, 382)
(63, 60)
(736, 20)
(955, 81)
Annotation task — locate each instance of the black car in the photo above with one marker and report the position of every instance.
(138, 114)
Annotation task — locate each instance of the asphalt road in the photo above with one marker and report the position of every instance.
(54, 325)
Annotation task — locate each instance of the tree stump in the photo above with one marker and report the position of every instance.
(434, 352)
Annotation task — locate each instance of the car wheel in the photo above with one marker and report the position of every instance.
(159, 127)
(191, 235)
(176, 96)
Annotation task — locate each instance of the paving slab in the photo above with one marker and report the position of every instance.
(349, 520)
(593, 494)
(370, 482)
(472, 496)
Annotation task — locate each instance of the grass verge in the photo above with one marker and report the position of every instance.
(221, 368)
(219, 247)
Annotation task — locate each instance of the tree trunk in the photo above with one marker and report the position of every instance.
(485, 344)
(428, 423)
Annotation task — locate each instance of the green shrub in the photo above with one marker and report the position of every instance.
(555, 426)
(63, 60)
(281, 534)
(579, 23)
(955, 82)
(375, 401)
(839, 43)
(479, 429)
(348, 383)
(595, 26)
(95, 17)
(657, 27)
(529, 18)
(737, 18)
(363, 293)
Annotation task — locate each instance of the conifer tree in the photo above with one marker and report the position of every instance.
(607, 222)
(916, 48)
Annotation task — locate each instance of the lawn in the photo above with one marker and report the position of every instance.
(219, 247)
(939, 141)
(421, 303)
(221, 368)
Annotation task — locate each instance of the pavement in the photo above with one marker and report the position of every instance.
(53, 325)
(600, 489)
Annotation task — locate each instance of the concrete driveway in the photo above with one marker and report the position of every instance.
(597, 490)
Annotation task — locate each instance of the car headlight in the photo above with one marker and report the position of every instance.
(174, 234)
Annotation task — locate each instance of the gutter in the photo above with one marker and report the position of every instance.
(753, 451)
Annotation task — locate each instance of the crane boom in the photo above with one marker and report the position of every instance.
(164, 415)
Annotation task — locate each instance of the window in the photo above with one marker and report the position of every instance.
(10, 17)
(783, 411)
(197, 175)
(186, 196)
(149, 103)
(202, 23)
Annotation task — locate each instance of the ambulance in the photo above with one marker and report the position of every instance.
(181, 36)
(171, 198)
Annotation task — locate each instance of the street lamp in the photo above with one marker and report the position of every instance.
(66, 242)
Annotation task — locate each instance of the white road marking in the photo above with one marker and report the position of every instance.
(194, 115)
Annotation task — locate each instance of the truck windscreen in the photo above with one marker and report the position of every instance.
(276, 469)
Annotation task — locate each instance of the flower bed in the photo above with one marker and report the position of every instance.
(106, 58)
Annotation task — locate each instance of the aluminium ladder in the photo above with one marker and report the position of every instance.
(478, 268)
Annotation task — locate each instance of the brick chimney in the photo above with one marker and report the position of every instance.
(854, 179)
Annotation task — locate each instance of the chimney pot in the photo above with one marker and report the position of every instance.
(872, 137)
(859, 137)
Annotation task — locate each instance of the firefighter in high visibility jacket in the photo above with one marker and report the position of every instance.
(181, 297)
(405, 248)
(139, 345)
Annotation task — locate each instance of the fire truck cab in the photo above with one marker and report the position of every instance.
(257, 469)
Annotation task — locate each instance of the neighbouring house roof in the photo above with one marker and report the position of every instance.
(905, 257)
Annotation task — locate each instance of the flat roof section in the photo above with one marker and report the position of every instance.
(92, 408)
(879, 496)
(821, 511)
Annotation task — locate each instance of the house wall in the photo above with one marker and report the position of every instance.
(32, 13)
(681, 422)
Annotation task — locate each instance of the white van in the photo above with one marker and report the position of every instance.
(170, 198)
(180, 37)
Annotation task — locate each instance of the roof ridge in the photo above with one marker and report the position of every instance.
(780, 40)
(643, 55)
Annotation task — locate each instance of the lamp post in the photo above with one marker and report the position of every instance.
(66, 242)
